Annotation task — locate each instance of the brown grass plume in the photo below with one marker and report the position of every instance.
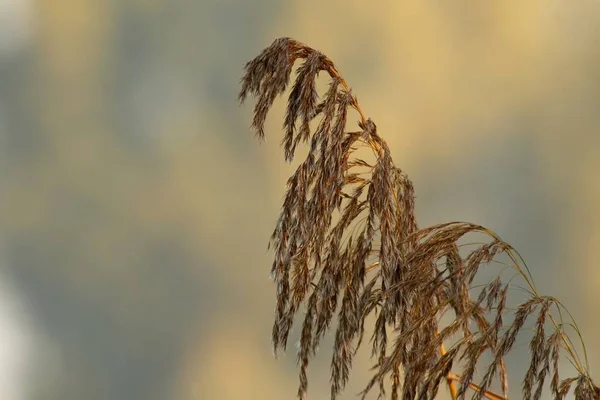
(347, 246)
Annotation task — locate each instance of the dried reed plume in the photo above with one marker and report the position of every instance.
(347, 243)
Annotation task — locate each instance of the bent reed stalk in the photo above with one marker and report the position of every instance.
(347, 246)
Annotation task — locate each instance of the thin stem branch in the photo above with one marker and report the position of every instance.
(487, 394)
(334, 73)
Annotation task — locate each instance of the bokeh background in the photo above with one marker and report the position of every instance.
(135, 204)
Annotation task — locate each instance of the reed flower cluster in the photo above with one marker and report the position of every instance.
(348, 249)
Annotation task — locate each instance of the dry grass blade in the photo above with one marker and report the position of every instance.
(347, 245)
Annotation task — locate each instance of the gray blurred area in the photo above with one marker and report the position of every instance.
(135, 205)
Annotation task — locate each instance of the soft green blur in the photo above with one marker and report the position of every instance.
(136, 206)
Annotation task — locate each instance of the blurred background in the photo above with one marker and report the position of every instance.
(136, 206)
